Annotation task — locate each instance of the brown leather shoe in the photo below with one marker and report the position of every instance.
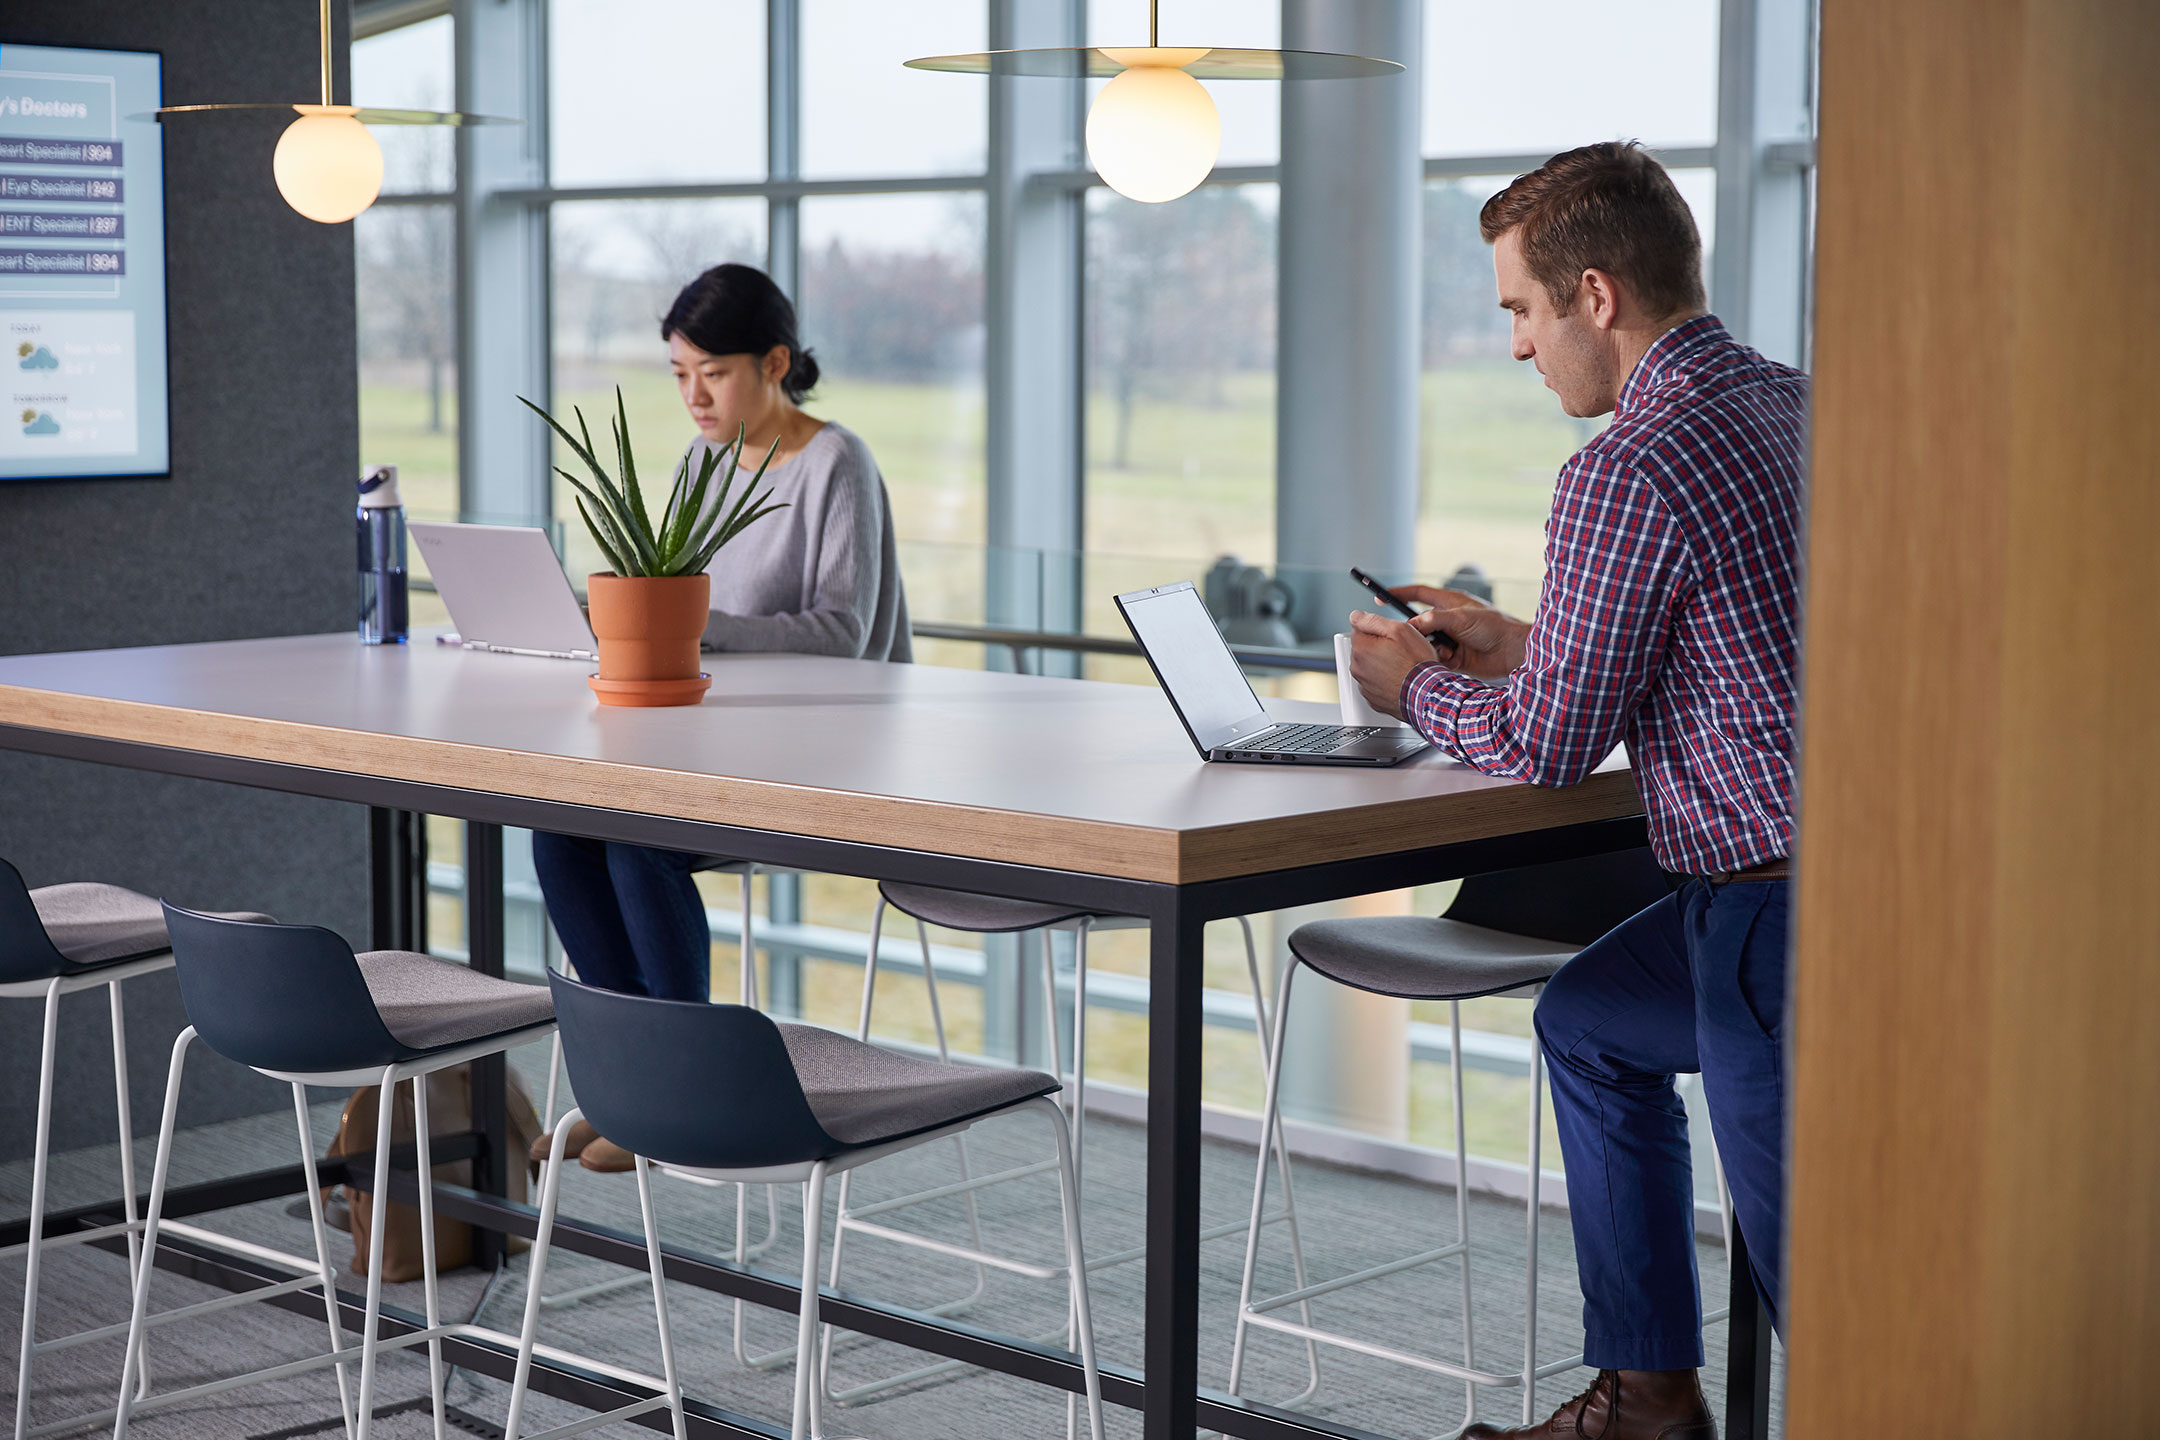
(605, 1156)
(581, 1135)
(1623, 1405)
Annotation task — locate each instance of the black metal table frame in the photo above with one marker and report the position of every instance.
(1168, 1391)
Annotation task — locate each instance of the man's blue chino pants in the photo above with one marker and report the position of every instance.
(1694, 983)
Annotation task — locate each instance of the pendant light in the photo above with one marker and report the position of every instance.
(327, 166)
(1153, 132)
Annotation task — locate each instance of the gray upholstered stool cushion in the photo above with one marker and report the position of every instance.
(1425, 959)
(979, 914)
(93, 924)
(428, 1003)
(862, 1095)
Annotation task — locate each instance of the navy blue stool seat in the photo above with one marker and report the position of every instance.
(54, 941)
(724, 1093)
(294, 1003)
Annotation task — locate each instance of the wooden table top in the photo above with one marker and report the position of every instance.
(1064, 774)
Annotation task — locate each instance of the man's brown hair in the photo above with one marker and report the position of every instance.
(1606, 207)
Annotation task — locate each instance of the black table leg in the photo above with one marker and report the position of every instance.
(490, 1083)
(1747, 1355)
(397, 880)
(1173, 1174)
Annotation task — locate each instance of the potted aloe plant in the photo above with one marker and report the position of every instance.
(649, 611)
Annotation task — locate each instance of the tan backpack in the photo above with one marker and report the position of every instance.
(449, 1113)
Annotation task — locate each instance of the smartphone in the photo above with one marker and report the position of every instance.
(1440, 640)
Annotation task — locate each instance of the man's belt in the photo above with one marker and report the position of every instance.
(1778, 869)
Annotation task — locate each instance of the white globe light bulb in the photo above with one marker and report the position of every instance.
(328, 167)
(1154, 133)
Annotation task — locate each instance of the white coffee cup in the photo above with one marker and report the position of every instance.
(1354, 709)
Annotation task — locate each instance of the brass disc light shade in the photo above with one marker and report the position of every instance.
(1153, 132)
(327, 166)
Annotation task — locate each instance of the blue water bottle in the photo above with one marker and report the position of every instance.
(382, 558)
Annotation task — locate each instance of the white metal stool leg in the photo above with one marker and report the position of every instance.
(325, 1266)
(379, 1215)
(1253, 1312)
(1083, 1321)
(1462, 1205)
(828, 1341)
(159, 1170)
(967, 1175)
(654, 1268)
(803, 1426)
(130, 1207)
(38, 1165)
(1271, 1140)
(554, 1085)
(426, 1177)
(1270, 1118)
(1530, 1238)
(536, 1273)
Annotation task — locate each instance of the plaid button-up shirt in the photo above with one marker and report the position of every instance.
(1670, 610)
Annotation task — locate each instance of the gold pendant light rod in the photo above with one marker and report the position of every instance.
(326, 54)
(1154, 35)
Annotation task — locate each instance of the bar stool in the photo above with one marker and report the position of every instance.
(994, 915)
(294, 1003)
(1504, 935)
(745, 1249)
(724, 1093)
(54, 941)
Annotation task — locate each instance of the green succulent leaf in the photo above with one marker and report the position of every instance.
(694, 524)
(615, 560)
(629, 468)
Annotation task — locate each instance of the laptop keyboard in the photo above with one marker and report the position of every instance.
(1308, 739)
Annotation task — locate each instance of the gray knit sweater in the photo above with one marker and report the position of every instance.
(821, 577)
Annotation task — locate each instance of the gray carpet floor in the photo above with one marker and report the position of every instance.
(1349, 1220)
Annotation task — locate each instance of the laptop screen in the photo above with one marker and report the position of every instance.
(1190, 658)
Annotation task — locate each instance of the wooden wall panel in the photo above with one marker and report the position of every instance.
(1975, 1218)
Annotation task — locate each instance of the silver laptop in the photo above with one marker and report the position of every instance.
(505, 590)
(1216, 703)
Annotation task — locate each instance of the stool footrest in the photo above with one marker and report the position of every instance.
(1213, 1232)
(1375, 1272)
(1452, 1369)
(323, 1361)
(958, 1187)
(75, 1237)
(594, 1422)
(185, 1312)
(957, 1252)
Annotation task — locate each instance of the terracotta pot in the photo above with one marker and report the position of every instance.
(648, 631)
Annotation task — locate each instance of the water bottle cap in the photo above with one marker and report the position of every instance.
(378, 489)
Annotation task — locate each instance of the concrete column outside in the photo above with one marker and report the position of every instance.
(1346, 466)
(502, 260)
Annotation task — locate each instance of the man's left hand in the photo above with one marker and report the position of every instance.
(1383, 652)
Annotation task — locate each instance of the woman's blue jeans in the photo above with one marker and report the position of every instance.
(630, 917)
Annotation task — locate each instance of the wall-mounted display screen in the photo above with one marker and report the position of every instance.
(82, 264)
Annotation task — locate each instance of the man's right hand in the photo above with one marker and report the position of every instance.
(1488, 643)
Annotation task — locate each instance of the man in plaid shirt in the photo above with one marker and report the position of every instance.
(1668, 619)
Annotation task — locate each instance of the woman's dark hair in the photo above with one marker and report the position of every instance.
(737, 310)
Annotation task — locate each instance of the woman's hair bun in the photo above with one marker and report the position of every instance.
(738, 310)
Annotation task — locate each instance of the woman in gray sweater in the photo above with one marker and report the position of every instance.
(818, 578)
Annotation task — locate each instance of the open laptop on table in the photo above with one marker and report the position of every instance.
(505, 590)
(1216, 703)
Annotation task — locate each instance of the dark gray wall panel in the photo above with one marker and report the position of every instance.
(252, 535)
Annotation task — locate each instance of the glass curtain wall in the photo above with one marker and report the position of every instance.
(683, 133)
